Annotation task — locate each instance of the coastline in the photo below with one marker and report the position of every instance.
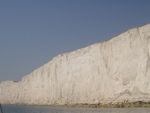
(137, 104)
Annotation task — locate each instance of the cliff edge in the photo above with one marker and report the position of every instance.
(113, 71)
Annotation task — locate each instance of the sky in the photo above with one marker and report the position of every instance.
(32, 32)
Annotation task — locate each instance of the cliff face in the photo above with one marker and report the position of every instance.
(110, 71)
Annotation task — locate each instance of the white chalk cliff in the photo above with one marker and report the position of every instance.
(112, 71)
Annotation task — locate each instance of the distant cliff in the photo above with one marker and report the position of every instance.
(113, 71)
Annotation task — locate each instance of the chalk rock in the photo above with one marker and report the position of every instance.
(116, 70)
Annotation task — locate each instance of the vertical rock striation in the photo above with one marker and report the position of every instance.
(112, 71)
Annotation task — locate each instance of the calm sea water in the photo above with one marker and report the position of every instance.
(58, 109)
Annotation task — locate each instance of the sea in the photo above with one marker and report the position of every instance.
(63, 109)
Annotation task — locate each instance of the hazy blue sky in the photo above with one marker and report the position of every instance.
(34, 31)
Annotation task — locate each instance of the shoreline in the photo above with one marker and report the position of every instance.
(137, 104)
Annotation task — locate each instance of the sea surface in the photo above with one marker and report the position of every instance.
(60, 109)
